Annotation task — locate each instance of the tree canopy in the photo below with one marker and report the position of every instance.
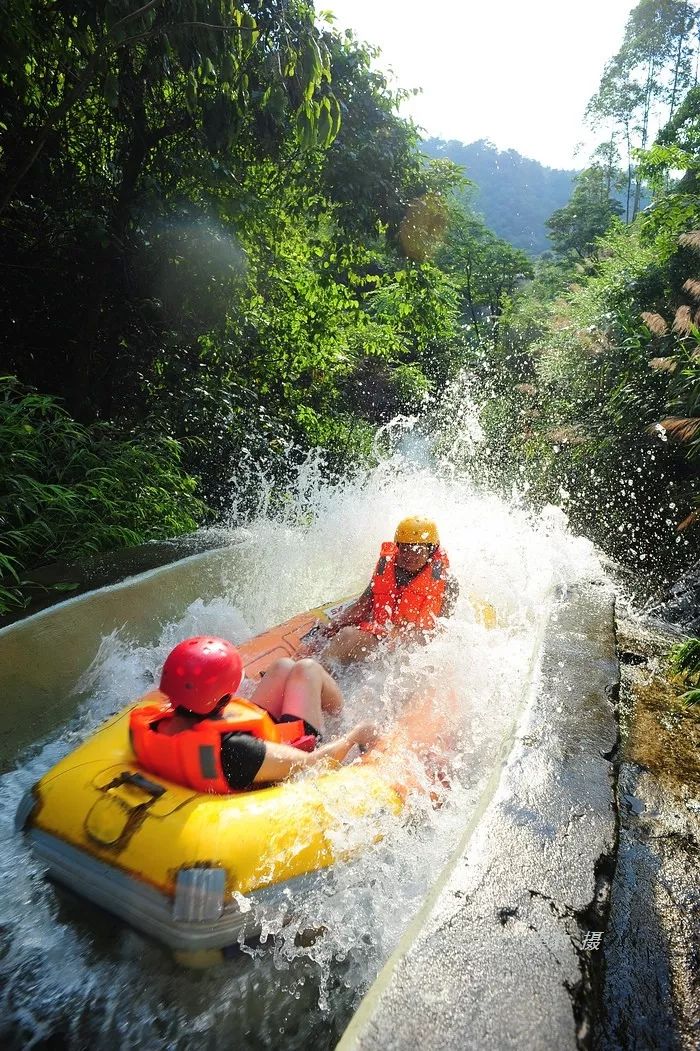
(644, 82)
(219, 239)
(576, 227)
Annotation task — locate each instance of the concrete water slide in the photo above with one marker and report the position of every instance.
(39, 655)
(505, 953)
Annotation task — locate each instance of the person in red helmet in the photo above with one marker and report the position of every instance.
(207, 737)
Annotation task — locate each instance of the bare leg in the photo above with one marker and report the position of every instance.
(350, 644)
(331, 697)
(309, 692)
(303, 689)
(269, 692)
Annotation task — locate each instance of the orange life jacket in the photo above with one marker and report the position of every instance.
(418, 602)
(193, 755)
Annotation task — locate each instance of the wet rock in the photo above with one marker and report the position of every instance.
(652, 978)
(633, 804)
(680, 605)
(651, 989)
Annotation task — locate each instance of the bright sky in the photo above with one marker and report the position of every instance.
(517, 72)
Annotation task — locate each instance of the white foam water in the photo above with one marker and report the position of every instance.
(73, 976)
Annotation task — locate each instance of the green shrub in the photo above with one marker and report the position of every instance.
(684, 660)
(684, 664)
(67, 491)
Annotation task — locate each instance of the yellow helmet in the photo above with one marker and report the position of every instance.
(416, 530)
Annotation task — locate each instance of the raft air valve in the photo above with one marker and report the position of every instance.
(199, 894)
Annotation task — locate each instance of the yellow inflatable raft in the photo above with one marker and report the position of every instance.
(173, 863)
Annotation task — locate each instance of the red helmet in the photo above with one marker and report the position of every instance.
(199, 672)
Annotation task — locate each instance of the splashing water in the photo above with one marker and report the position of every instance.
(76, 976)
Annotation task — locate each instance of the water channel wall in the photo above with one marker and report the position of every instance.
(506, 952)
(42, 656)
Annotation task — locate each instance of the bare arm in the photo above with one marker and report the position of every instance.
(352, 615)
(281, 760)
(356, 612)
(450, 598)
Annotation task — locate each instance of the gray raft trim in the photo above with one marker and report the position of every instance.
(145, 908)
(495, 960)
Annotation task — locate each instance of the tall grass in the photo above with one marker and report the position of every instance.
(67, 491)
(684, 661)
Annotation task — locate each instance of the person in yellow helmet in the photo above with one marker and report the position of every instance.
(410, 589)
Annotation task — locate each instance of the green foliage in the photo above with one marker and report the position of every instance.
(373, 168)
(684, 659)
(690, 698)
(682, 128)
(208, 66)
(583, 390)
(655, 163)
(116, 160)
(576, 227)
(684, 665)
(67, 490)
(677, 148)
(485, 270)
(589, 397)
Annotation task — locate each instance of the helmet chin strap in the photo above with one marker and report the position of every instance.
(215, 713)
(219, 706)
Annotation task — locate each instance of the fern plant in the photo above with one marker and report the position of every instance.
(684, 662)
(68, 491)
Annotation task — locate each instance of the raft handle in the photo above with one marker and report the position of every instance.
(140, 781)
(25, 809)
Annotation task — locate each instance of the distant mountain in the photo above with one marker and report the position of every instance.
(515, 195)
